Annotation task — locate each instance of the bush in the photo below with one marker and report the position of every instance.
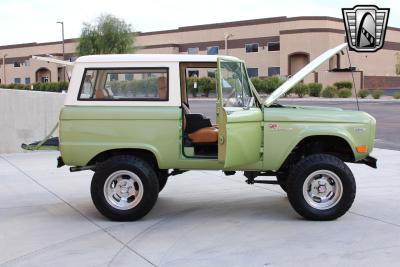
(48, 87)
(314, 89)
(270, 84)
(329, 92)
(397, 95)
(205, 85)
(343, 84)
(363, 93)
(377, 93)
(258, 84)
(344, 93)
(300, 89)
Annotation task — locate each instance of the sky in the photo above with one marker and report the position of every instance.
(25, 21)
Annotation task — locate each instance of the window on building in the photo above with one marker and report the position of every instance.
(27, 80)
(274, 46)
(272, 71)
(213, 50)
(251, 48)
(17, 80)
(113, 85)
(211, 73)
(253, 72)
(193, 73)
(193, 50)
(128, 76)
(17, 64)
(113, 77)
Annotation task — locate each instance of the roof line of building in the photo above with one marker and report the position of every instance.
(201, 27)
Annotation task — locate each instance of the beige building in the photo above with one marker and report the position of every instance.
(270, 46)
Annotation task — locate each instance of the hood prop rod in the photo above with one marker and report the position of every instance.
(352, 76)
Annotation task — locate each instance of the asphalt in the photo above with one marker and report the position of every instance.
(202, 218)
(386, 113)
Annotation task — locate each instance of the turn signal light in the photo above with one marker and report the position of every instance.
(362, 149)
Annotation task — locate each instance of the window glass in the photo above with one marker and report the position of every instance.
(125, 84)
(251, 48)
(17, 80)
(27, 80)
(274, 71)
(234, 83)
(274, 46)
(212, 50)
(193, 50)
(17, 64)
(252, 72)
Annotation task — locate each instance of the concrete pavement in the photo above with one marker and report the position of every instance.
(202, 218)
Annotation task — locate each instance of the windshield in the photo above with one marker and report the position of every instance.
(234, 84)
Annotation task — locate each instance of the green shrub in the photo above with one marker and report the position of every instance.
(20, 86)
(397, 95)
(377, 93)
(329, 92)
(270, 84)
(49, 87)
(344, 93)
(343, 84)
(300, 89)
(205, 85)
(314, 89)
(257, 83)
(363, 93)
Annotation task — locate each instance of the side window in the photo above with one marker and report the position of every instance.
(125, 84)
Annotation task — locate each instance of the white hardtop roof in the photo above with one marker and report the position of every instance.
(147, 58)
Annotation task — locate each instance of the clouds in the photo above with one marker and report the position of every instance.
(35, 20)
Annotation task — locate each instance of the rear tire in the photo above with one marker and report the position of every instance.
(321, 187)
(124, 188)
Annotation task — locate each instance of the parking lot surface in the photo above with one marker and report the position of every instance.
(202, 218)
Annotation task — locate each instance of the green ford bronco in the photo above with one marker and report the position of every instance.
(129, 119)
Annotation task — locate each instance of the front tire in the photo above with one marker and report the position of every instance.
(124, 188)
(321, 187)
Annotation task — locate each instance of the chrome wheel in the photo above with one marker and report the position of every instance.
(123, 190)
(322, 189)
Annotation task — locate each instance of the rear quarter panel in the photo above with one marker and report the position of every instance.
(88, 131)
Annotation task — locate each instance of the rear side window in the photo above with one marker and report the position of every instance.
(125, 84)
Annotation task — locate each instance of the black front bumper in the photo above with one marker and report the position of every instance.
(370, 161)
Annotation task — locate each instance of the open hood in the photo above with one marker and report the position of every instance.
(301, 74)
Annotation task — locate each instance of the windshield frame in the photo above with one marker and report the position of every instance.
(253, 94)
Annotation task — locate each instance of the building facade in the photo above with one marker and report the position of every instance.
(270, 46)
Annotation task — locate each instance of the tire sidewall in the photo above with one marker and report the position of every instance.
(136, 166)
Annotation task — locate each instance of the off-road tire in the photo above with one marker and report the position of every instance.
(162, 179)
(147, 176)
(303, 169)
(282, 180)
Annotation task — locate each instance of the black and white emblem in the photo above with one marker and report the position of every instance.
(365, 27)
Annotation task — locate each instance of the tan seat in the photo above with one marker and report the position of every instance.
(204, 135)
